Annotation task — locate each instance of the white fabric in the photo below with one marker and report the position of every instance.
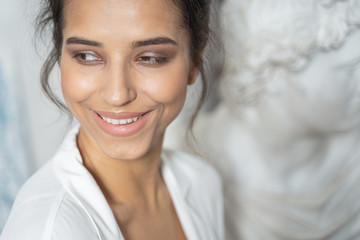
(63, 201)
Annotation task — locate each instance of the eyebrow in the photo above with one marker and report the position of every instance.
(76, 40)
(147, 42)
(154, 41)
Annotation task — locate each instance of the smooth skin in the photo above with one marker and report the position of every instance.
(127, 56)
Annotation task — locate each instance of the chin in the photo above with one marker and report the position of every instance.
(124, 153)
(130, 149)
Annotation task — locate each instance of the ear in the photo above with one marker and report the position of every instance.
(193, 75)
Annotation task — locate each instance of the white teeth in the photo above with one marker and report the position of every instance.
(123, 121)
(120, 121)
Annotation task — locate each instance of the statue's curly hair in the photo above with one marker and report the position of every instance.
(261, 36)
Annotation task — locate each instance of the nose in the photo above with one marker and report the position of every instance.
(118, 88)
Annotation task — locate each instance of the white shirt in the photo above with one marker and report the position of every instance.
(63, 201)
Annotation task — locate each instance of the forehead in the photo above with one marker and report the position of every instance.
(120, 18)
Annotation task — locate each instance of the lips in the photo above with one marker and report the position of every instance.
(121, 124)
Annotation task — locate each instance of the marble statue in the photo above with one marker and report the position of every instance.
(286, 135)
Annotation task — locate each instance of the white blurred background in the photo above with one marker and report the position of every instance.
(35, 124)
(44, 124)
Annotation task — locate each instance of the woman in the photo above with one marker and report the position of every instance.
(125, 67)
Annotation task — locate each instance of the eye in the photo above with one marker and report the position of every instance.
(152, 60)
(87, 58)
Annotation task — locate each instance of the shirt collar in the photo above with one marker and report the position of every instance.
(83, 187)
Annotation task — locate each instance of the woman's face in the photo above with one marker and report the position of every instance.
(125, 67)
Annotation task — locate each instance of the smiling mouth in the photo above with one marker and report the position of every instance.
(119, 121)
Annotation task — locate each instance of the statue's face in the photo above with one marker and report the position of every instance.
(326, 95)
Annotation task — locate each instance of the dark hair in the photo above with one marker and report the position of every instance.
(195, 19)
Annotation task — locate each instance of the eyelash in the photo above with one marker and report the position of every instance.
(152, 60)
(81, 58)
(81, 55)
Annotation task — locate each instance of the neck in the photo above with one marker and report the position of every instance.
(135, 182)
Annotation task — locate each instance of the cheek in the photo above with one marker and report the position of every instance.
(170, 91)
(76, 85)
(169, 87)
